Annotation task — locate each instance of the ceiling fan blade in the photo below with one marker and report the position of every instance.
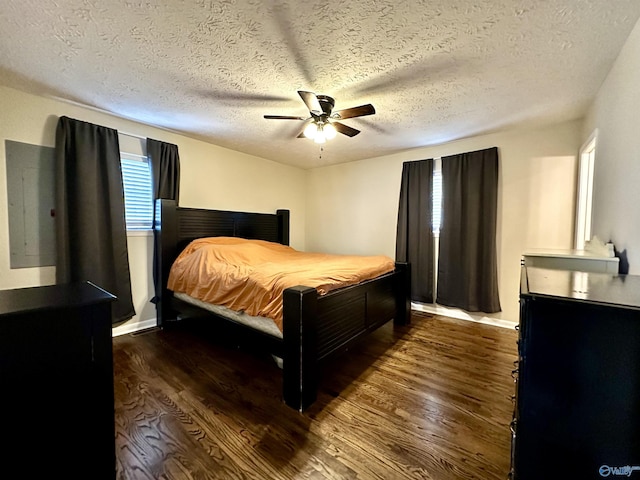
(352, 112)
(311, 101)
(345, 129)
(282, 117)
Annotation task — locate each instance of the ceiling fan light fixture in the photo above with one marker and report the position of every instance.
(320, 135)
(311, 130)
(319, 126)
(330, 131)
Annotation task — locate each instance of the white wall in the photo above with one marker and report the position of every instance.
(211, 177)
(352, 208)
(616, 193)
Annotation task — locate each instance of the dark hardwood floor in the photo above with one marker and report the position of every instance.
(431, 400)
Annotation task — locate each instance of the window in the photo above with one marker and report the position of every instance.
(436, 218)
(138, 196)
(436, 195)
(585, 192)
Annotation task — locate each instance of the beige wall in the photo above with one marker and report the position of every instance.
(616, 193)
(211, 177)
(348, 208)
(352, 208)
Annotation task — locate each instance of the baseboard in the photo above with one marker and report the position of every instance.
(420, 307)
(462, 315)
(134, 327)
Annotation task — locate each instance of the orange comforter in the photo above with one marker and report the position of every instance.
(250, 275)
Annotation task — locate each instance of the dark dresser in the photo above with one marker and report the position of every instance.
(56, 376)
(577, 402)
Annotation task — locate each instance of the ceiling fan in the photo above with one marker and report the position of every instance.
(323, 123)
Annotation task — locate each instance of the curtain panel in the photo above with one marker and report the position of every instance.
(165, 174)
(467, 266)
(414, 237)
(165, 169)
(91, 231)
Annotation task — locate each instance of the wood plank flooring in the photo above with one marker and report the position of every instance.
(431, 400)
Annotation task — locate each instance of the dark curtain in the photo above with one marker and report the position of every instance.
(90, 222)
(414, 238)
(165, 172)
(467, 265)
(165, 168)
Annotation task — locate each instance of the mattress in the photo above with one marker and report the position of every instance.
(250, 276)
(263, 324)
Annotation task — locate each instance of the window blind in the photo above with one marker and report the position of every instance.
(138, 197)
(436, 216)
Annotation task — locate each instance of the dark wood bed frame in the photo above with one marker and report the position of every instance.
(315, 327)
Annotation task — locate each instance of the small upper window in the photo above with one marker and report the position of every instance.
(138, 196)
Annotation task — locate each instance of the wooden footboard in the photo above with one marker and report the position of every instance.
(319, 327)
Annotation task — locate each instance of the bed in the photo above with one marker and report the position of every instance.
(315, 327)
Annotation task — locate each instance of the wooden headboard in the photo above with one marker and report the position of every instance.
(174, 227)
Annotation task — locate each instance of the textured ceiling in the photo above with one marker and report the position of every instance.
(434, 70)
